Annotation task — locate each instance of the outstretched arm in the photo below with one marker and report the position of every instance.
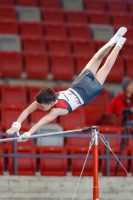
(17, 125)
(55, 112)
(46, 119)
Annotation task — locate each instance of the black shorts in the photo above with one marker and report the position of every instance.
(86, 85)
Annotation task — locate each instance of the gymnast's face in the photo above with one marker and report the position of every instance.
(45, 107)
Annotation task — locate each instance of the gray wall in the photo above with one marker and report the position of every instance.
(62, 188)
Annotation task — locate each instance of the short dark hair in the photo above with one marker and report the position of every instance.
(46, 95)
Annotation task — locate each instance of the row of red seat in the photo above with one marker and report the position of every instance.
(59, 166)
(26, 94)
(42, 3)
(59, 29)
(109, 5)
(60, 66)
(47, 29)
(68, 45)
(118, 6)
(60, 15)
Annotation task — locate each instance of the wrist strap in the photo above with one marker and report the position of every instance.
(27, 134)
(16, 125)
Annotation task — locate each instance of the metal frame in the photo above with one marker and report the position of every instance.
(15, 155)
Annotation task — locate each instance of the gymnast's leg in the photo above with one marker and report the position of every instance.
(105, 69)
(95, 62)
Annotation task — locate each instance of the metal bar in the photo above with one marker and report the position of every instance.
(15, 157)
(95, 163)
(60, 156)
(107, 160)
(86, 129)
(83, 136)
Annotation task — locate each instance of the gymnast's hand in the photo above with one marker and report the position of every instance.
(23, 137)
(15, 128)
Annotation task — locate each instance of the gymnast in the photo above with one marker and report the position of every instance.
(87, 85)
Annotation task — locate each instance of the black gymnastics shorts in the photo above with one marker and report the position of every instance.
(86, 85)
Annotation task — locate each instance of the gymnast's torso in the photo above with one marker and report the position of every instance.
(68, 99)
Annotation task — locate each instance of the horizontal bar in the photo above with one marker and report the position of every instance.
(61, 156)
(86, 135)
(86, 129)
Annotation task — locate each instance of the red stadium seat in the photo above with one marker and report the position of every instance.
(59, 45)
(84, 47)
(53, 166)
(77, 163)
(8, 27)
(76, 17)
(77, 142)
(101, 100)
(37, 65)
(8, 145)
(118, 68)
(130, 142)
(26, 166)
(129, 34)
(12, 94)
(127, 50)
(129, 66)
(2, 164)
(7, 13)
(50, 4)
(10, 64)
(31, 28)
(99, 17)
(38, 114)
(81, 62)
(131, 153)
(75, 119)
(121, 19)
(7, 2)
(114, 142)
(99, 44)
(0, 129)
(62, 66)
(110, 129)
(33, 44)
(95, 5)
(59, 88)
(113, 164)
(10, 113)
(55, 30)
(27, 3)
(117, 6)
(93, 114)
(53, 15)
(130, 6)
(79, 31)
(32, 92)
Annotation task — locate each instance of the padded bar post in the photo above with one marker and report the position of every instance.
(95, 163)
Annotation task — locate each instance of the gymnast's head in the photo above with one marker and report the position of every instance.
(46, 98)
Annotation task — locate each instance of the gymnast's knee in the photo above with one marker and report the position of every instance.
(96, 57)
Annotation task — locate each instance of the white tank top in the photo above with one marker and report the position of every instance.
(71, 97)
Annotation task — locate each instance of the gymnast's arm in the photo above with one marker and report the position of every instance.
(17, 125)
(55, 112)
(34, 106)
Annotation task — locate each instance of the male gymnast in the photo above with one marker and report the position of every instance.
(87, 85)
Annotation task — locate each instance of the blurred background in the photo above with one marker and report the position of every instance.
(48, 43)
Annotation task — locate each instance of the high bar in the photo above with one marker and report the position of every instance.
(86, 129)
